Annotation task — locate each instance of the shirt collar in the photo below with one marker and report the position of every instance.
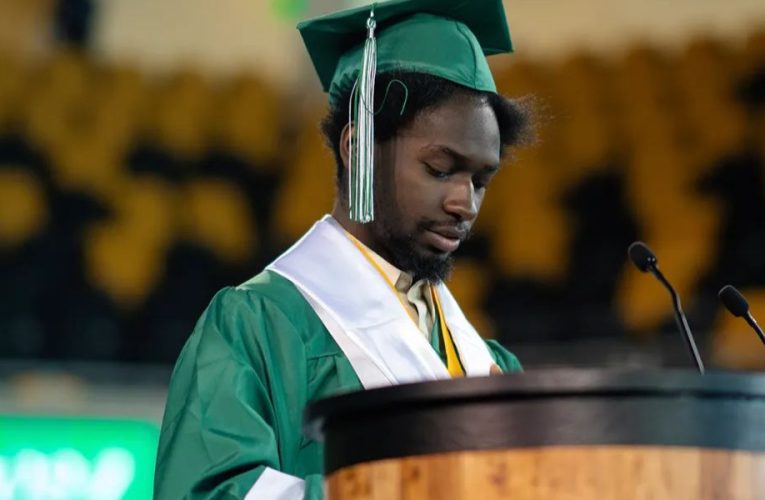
(402, 280)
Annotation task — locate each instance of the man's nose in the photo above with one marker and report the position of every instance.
(461, 201)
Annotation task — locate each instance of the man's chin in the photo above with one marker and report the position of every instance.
(417, 256)
(432, 265)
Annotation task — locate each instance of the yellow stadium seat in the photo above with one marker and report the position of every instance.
(672, 162)
(753, 54)
(25, 27)
(469, 283)
(647, 100)
(661, 193)
(216, 214)
(13, 89)
(56, 100)
(125, 257)
(528, 228)
(734, 344)
(641, 300)
(46, 124)
(679, 224)
(655, 177)
(65, 77)
(707, 84)
(308, 191)
(249, 122)
(692, 219)
(149, 208)
(117, 107)
(589, 143)
(583, 84)
(181, 113)
(649, 125)
(704, 71)
(717, 129)
(520, 77)
(532, 243)
(642, 77)
(584, 116)
(87, 153)
(83, 163)
(536, 165)
(122, 264)
(23, 209)
(706, 79)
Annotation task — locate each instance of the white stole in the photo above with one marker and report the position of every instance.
(366, 318)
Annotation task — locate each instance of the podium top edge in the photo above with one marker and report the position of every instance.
(541, 384)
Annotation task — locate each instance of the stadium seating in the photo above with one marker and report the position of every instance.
(145, 194)
(23, 208)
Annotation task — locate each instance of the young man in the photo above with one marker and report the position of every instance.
(356, 303)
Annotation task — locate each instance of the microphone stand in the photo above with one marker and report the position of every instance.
(753, 323)
(682, 322)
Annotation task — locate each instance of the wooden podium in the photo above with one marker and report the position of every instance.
(548, 435)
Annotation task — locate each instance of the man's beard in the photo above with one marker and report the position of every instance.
(433, 268)
(400, 245)
(402, 248)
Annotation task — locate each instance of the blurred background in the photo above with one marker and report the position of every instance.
(154, 151)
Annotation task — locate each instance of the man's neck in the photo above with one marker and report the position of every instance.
(361, 232)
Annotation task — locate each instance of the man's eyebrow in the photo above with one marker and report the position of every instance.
(446, 150)
(459, 158)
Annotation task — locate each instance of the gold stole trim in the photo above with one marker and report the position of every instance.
(453, 363)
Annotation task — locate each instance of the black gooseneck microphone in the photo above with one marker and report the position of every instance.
(645, 260)
(735, 302)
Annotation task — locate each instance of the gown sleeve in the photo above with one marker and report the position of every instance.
(225, 425)
(506, 360)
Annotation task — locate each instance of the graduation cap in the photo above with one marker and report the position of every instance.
(449, 39)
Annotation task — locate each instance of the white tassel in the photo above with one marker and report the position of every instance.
(361, 119)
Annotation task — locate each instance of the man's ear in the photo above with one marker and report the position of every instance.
(345, 145)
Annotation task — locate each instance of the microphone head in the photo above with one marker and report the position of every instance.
(733, 301)
(642, 256)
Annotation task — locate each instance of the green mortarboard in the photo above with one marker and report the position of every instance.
(445, 38)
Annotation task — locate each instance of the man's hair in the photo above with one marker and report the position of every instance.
(400, 96)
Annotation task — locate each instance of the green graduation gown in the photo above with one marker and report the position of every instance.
(258, 355)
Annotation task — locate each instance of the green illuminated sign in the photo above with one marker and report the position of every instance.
(76, 458)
